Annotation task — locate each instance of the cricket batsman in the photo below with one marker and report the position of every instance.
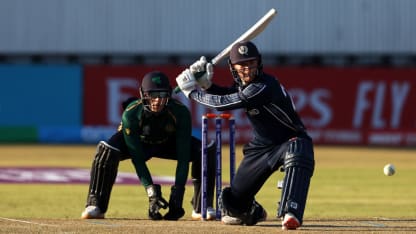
(280, 139)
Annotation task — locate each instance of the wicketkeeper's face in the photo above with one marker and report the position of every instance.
(156, 100)
(247, 70)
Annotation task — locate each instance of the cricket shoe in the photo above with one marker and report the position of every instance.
(229, 220)
(210, 214)
(290, 222)
(257, 214)
(92, 212)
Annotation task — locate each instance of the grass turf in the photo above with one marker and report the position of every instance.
(348, 183)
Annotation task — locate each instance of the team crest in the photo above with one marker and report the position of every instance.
(253, 112)
(157, 80)
(128, 131)
(293, 205)
(243, 50)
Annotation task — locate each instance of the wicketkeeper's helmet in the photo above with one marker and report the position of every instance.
(156, 83)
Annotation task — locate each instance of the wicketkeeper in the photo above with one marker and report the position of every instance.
(154, 125)
(279, 136)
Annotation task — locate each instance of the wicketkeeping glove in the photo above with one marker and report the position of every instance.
(156, 201)
(175, 203)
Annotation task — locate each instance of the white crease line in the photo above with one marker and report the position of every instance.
(23, 221)
(374, 224)
(103, 223)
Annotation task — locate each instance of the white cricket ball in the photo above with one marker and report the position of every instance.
(389, 170)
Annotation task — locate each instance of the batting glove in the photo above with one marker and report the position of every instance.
(186, 82)
(199, 65)
(203, 72)
(205, 81)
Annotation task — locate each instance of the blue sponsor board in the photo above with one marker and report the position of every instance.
(33, 95)
(80, 134)
(74, 134)
(59, 134)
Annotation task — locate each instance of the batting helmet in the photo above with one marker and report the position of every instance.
(243, 51)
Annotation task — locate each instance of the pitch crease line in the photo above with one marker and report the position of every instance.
(28, 222)
(104, 223)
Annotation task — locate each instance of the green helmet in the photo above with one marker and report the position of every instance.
(155, 81)
(155, 84)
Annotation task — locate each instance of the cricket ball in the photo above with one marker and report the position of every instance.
(389, 170)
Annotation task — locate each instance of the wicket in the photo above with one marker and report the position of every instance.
(218, 175)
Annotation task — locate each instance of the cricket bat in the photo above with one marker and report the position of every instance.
(250, 34)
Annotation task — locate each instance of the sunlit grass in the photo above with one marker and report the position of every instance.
(347, 183)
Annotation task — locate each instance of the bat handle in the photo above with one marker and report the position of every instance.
(177, 89)
(197, 76)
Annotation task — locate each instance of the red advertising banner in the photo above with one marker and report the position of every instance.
(106, 87)
(371, 106)
(356, 106)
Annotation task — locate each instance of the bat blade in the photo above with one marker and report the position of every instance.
(250, 34)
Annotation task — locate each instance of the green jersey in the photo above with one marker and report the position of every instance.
(170, 128)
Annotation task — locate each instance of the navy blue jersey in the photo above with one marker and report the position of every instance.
(267, 104)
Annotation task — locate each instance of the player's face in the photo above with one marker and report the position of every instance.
(247, 70)
(157, 100)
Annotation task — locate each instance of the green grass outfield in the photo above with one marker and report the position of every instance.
(348, 183)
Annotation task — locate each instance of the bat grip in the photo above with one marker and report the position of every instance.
(177, 89)
(197, 76)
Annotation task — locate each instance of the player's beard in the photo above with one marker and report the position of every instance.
(248, 76)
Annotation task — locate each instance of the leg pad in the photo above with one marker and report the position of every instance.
(103, 175)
